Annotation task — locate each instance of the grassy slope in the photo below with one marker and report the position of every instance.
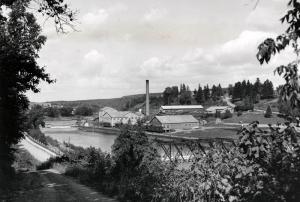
(117, 103)
(250, 117)
(263, 104)
(24, 160)
(210, 133)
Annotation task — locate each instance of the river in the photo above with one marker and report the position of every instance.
(80, 138)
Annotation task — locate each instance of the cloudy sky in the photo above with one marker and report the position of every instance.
(120, 43)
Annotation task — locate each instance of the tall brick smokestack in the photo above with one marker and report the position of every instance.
(147, 98)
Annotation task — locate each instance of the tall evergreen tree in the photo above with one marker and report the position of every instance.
(199, 95)
(206, 93)
(167, 95)
(267, 90)
(230, 89)
(220, 90)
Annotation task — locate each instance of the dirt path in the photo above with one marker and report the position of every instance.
(229, 103)
(49, 186)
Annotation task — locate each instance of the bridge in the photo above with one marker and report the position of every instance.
(176, 148)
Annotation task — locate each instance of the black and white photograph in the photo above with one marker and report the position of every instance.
(149, 100)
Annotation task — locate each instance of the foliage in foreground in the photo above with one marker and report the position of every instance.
(264, 166)
(21, 40)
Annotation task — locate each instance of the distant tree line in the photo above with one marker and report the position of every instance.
(241, 90)
(38, 111)
(184, 95)
(255, 91)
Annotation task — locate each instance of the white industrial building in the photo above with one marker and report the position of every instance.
(169, 122)
(113, 116)
(221, 109)
(181, 108)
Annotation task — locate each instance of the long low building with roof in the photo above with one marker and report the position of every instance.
(113, 116)
(178, 109)
(168, 122)
(221, 109)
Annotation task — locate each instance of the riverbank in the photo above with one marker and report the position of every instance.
(102, 130)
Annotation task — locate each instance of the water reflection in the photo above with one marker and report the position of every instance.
(81, 138)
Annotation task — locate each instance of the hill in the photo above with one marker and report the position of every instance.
(129, 102)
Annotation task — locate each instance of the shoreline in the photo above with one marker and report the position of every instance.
(105, 131)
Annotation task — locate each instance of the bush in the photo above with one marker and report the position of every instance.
(105, 124)
(157, 129)
(268, 113)
(84, 110)
(38, 135)
(66, 111)
(243, 107)
(52, 112)
(134, 170)
(227, 114)
(239, 113)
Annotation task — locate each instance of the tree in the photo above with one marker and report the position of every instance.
(268, 113)
(20, 41)
(257, 86)
(66, 111)
(138, 167)
(267, 90)
(35, 117)
(230, 89)
(84, 110)
(290, 91)
(52, 112)
(206, 93)
(214, 93)
(167, 95)
(185, 98)
(220, 91)
(227, 114)
(237, 91)
(57, 9)
(199, 97)
(175, 92)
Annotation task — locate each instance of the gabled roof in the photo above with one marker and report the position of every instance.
(114, 113)
(108, 110)
(213, 108)
(178, 107)
(176, 119)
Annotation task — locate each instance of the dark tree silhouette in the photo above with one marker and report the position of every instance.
(21, 41)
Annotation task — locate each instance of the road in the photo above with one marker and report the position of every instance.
(229, 103)
(48, 186)
(38, 152)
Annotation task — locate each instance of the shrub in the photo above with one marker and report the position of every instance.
(84, 110)
(52, 112)
(218, 114)
(239, 113)
(268, 113)
(38, 135)
(138, 167)
(227, 114)
(105, 124)
(157, 129)
(66, 111)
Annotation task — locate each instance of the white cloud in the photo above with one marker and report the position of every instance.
(94, 56)
(154, 14)
(96, 18)
(92, 65)
(121, 44)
